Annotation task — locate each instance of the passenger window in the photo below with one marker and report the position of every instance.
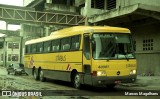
(75, 44)
(33, 48)
(40, 47)
(65, 44)
(55, 45)
(47, 46)
(26, 49)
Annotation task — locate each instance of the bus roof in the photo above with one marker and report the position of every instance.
(79, 30)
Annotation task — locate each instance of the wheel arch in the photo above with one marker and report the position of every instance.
(73, 72)
(33, 69)
(39, 69)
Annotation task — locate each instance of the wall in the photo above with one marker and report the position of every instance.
(60, 7)
(147, 61)
(123, 3)
(92, 12)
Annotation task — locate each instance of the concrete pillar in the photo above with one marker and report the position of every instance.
(22, 43)
(79, 2)
(94, 3)
(105, 4)
(41, 32)
(5, 48)
(4, 53)
(87, 10)
(47, 31)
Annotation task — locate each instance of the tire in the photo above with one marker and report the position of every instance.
(15, 73)
(41, 76)
(26, 74)
(20, 73)
(35, 75)
(76, 81)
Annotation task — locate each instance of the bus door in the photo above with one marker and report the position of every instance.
(87, 59)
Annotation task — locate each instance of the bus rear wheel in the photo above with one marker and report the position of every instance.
(41, 76)
(15, 73)
(76, 81)
(35, 75)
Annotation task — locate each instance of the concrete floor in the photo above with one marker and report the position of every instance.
(23, 82)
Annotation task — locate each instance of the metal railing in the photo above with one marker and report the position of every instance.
(21, 16)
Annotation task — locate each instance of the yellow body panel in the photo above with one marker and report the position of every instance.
(56, 61)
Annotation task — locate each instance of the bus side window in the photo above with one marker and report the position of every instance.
(66, 47)
(75, 44)
(47, 46)
(39, 47)
(33, 48)
(65, 44)
(26, 49)
(55, 45)
(29, 49)
(53, 48)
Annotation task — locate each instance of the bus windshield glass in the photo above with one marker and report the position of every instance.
(112, 46)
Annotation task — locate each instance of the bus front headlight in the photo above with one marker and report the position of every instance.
(133, 72)
(101, 73)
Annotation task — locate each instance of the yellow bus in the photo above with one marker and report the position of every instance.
(91, 55)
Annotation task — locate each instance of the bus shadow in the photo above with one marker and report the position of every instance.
(83, 87)
(59, 82)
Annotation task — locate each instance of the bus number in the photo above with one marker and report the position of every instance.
(107, 66)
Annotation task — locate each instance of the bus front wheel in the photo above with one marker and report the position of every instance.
(76, 81)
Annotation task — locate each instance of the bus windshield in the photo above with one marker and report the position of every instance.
(112, 46)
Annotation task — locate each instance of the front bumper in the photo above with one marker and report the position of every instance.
(103, 80)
